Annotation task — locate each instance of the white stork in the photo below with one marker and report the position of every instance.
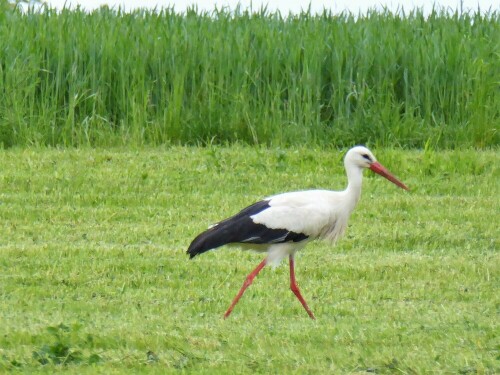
(282, 224)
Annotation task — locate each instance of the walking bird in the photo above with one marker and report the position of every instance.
(282, 224)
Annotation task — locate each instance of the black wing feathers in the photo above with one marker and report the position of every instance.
(240, 228)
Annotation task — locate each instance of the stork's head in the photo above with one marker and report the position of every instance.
(361, 157)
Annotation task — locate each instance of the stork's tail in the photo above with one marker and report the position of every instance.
(208, 240)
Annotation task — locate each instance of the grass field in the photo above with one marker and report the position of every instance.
(94, 277)
(110, 78)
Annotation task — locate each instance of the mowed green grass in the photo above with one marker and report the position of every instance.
(94, 277)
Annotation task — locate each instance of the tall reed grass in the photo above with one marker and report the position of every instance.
(109, 77)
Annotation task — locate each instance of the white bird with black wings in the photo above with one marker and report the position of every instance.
(282, 224)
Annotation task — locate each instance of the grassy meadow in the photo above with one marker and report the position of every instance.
(95, 279)
(103, 185)
(110, 78)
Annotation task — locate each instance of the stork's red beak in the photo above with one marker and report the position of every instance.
(381, 170)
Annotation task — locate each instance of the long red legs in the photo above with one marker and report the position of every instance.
(295, 288)
(246, 284)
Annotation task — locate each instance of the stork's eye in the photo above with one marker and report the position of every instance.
(367, 157)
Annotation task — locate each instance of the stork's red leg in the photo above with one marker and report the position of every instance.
(295, 288)
(246, 284)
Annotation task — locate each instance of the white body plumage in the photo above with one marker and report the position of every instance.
(318, 214)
